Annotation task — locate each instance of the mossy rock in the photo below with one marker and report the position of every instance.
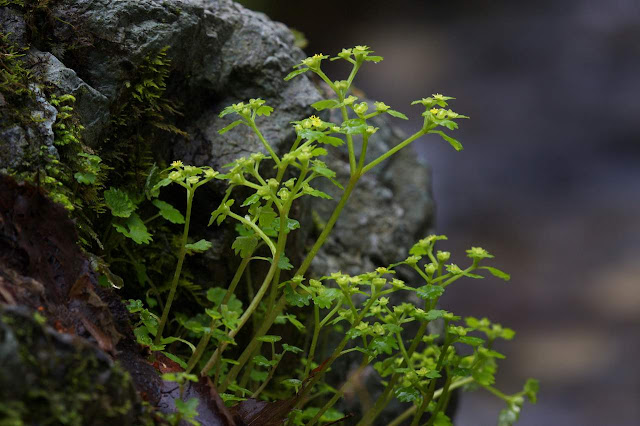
(53, 378)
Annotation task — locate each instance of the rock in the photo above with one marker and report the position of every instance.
(48, 376)
(91, 107)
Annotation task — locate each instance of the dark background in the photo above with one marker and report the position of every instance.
(549, 180)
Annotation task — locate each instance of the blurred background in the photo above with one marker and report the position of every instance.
(549, 180)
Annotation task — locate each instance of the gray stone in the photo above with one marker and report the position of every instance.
(91, 107)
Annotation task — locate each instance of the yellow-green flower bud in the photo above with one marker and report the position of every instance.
(443, 256)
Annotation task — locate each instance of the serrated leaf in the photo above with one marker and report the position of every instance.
(198, 247)
(283, 263)
(331, 140)
(434, 314)
(264, 110)
(497, 273)
(169, 212)
(373, 58)
(453, 142)
(322, 170)
(408, 394)
(354, 126)
(384, 344)
(326, 297)
(135, 229)
(324, 104)
(216, 295)
(429, 292)
(295, 73)
(294, 298)
(396, 114)
(244, 245)
(118, 202)
(230, 126)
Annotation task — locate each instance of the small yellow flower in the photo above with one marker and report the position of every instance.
(176, 164)
(434, 111)
(315, 121)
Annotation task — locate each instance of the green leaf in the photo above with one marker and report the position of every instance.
(188, 408)
(169, 212)
(87, 178)
(509, 415)
(320, 194)
(118, 202)
(326, 297)
(289, 348)
(199, 247)
(470, 340)
(135, 229)
(264, 110)
(244, 245)
(266, 217)
(269, 338)
(373, 58)
(396, 114)
(318, 152)
(429, 292)
(497, 273)
(175, 359)
(321, 169)
(283, 263)
(408, 394)
(294, 298)
(264, 362)
(442, 420)
(251, 200)
(454, 143)
(531, 388)
(434, 314)
(216, 295)
(280, 319)
(461, 372)
(354, 126)
(331, 140)
(230, 126)
(327, 103)
(295, 73)
(383, 344)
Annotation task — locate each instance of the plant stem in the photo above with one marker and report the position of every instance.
(202, 345)
(252, 124)
(409, 411)
(393, 150)
(176, 275)
(314, 340)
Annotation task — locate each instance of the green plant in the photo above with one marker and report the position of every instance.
(412, 365)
